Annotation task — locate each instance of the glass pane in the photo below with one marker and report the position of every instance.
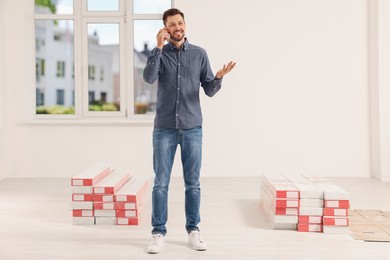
(103, 5)
(103, 67)
(145, 95)
(54, 6)
(54, 59)
(151, 6)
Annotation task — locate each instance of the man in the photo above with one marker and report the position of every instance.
(180, 68)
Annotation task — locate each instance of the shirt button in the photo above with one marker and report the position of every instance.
(177, 102)
(178, 76)
(178, 88)
(177, 114)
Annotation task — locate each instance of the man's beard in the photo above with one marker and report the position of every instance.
(178, 39)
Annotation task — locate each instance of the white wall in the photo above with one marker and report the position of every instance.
(380, 91)
(298, 98)
(297, 101)
(2, 93)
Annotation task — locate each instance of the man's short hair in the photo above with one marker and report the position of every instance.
(172, 12)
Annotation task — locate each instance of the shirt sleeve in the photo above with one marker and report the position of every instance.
(152, 67)
(210, 84)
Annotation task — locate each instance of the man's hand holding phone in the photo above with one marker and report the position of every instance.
(162, 36)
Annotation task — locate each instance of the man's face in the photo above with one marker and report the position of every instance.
(176, 27)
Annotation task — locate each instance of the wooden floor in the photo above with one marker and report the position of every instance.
(35, 224)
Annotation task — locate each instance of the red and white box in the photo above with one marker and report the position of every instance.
(271, 202)
(335, 221)
(343, 204)
(267, 201)
(82, 197)
(131, 213)
(103, 205)
(285, 203)
(133, 191)
(307, 189)
(279, 186)
(83, 213)
(127, 221)
(335, 212)
(112, 183)
(310, 219)
(130, 217)
(306, 227)
(286, 211)
(92, 175)
(103, 197)
(125, 205)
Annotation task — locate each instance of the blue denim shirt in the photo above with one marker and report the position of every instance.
(180, 73)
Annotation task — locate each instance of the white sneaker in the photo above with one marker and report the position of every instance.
(196, 242)
(156, 245)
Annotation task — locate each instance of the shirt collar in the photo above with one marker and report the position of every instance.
(184, 46)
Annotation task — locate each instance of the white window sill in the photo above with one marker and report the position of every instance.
(142, 120)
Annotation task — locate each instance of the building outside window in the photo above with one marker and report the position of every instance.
(60, 97)
(60, 69)
(95, 49)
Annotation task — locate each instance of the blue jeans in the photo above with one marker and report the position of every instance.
(165, 142)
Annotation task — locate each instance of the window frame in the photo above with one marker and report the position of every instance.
(125, 17)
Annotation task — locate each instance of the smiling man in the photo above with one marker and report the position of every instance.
(180, 69)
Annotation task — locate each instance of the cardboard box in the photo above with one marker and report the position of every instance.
(83, 220)
(112, 183)
(82, 213)
(92, 175)
(279, 186)
(335, 221)
(310, 219)
(305, 227)
(307, 190)
(344, 204)
(134, 190)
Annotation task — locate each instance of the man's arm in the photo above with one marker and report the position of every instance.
(152, 68)
(153, 65)
(211, 84)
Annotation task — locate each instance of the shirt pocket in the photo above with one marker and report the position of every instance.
(190, 69)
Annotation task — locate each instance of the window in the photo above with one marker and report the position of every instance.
(102, 73)
(39, 98)
(60, 69)
(91, 72)
(96, 50)
(60, 97)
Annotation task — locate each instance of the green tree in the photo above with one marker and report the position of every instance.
(51, 4)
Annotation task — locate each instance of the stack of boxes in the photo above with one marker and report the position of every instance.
(311, 203)
(103, 196)
(129, 201)
(323, 206)
(336, 206)
(82, 193)
(280, 200)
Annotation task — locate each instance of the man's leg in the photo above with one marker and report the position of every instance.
(164, 148)
(191, 156)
